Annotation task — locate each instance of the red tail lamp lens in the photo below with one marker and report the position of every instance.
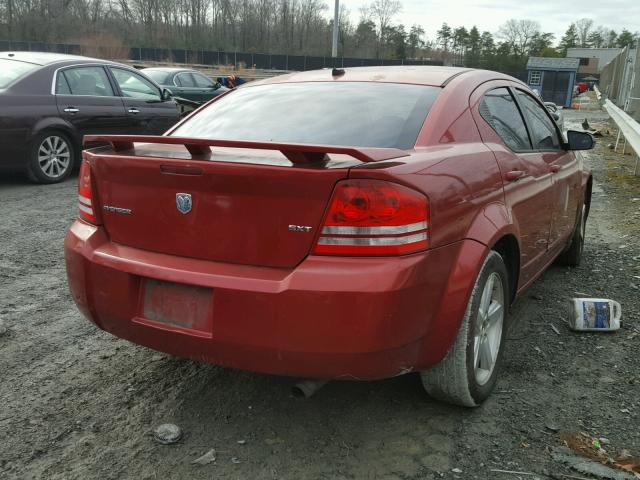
(374, 217)
(86, 204)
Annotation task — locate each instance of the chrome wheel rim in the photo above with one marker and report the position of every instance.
(488, 332)
(54, 156)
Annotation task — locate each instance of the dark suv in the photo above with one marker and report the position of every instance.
(48, 102)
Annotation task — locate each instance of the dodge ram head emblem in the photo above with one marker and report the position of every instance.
(183, 202)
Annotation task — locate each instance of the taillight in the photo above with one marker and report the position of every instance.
(86, 204)
(374, 217)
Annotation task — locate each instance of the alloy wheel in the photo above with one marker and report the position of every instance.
(488, 332)
(54, 156)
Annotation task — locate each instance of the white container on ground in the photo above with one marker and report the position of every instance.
(595, 315)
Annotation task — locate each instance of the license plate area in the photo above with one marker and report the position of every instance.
(175, 306)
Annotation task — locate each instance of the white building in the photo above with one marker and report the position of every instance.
(604, 56)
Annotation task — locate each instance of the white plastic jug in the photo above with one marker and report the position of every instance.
(595, 314)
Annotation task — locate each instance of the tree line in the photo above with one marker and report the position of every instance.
(295, 27)
(516, 40)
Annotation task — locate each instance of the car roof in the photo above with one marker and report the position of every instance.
(170, 69)
(47, 58)
(418, 74)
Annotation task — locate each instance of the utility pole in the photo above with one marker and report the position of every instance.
(334, 46)
(10, 12)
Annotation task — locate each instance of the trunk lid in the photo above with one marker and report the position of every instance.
(257, 206)
(239, 213)
(245, 206)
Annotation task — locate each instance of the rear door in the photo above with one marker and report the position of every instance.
(527, 180)
(209, 88)
(85, 98)
(147, 112)
(194, 86)
(562, 163)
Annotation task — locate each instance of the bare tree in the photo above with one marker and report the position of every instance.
(584, 26)
(383, 12)
(518, 34)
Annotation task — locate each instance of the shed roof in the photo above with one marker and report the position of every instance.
(550, 63)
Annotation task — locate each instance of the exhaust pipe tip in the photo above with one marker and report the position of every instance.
(307, 388)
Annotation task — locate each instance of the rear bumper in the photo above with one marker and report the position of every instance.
(330, 317)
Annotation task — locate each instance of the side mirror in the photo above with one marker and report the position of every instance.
(555, 116)
(580, 140)
(166, 94)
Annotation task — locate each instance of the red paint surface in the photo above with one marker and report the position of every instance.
(271, 305)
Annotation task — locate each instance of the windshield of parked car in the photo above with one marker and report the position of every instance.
(12, 70)
(338, 113)
(158, 76)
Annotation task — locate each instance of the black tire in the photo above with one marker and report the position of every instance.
(456, 379)
(573, 254)
(52, 157)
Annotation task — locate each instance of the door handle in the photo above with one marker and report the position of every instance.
(514, 175)
(71, 110)
(133, 110)
(554, 168)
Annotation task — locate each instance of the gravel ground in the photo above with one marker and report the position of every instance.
(77, 403)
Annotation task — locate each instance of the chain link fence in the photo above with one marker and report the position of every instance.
(620, 81)
(210, 57)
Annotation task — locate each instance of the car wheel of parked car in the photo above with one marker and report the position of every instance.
(468, 373)
(52, 158)
(572, 256)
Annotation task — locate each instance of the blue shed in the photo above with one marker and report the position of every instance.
(554, 78)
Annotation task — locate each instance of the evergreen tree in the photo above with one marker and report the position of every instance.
(472, 58)
(414, 41)
(444, 36)
(397, 41)
(597, 38)
(626, 38)
(541, 43)
(459, 43)
(569, 40)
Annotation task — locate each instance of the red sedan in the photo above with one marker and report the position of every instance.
(346, 224)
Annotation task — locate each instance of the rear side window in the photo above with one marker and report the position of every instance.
(543, 130)
(185, 80)
(62, 87)
(12, 70)
(202, 81)
(500, 111)
(88, 81)
(159, 76)
(360, 114)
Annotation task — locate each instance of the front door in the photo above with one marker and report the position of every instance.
(196, 88)
(148, 113)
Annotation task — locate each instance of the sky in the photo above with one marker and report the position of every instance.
(553, 15)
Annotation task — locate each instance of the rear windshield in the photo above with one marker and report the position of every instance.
(12, 70)
(341, 113)
(158, 76)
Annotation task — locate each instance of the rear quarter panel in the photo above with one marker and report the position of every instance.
(461, 178)
(21, 117)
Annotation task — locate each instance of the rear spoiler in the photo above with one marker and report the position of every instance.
(295, 152)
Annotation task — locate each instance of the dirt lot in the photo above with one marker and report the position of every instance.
(77, 403)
